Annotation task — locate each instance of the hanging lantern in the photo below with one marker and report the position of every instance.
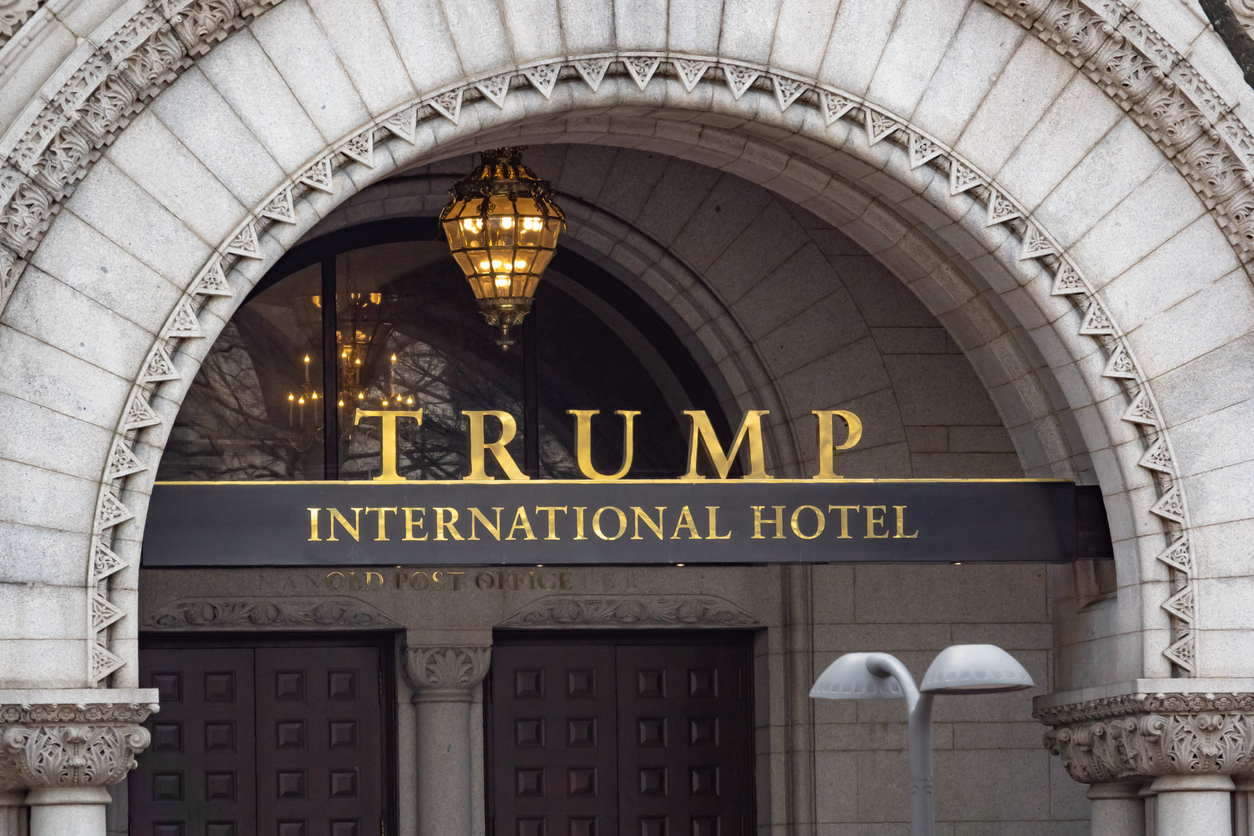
(502, 229)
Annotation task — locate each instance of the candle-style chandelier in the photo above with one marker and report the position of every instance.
(502, 229)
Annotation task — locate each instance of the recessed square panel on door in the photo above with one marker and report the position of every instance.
(196, 778)
(319, 746)
(685, 754)
(553, 740)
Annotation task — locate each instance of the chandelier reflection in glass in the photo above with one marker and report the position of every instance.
(502, 229)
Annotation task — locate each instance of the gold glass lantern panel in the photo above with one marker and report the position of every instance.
(502, 229)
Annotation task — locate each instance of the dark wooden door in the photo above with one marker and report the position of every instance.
(196, 778)
(600, 737)
(262, 741)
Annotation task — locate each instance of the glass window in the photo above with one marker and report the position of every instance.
(407, 336)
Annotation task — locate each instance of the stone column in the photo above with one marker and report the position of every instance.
(1194, 805)
(62, 755)
(1182, 748)
(12, 814)
(1243, 821)
(1118, 809)
(444, 679)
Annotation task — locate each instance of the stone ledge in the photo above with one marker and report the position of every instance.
(87, 705)
(1144, 695)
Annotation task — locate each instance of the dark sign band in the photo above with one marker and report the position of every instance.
(569, 523)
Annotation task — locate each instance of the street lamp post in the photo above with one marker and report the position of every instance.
(960, 669)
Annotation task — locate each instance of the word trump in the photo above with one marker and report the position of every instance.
(701, 438)
(609, 522)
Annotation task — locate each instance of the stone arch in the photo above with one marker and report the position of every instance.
(821, 117)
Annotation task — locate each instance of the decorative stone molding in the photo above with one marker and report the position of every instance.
(267, 614)
(966, 184)
(445, 668)
(14, 13)
(1148, 735)
(60, 745)
(618, 611)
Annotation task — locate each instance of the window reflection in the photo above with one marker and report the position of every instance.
(408, 336)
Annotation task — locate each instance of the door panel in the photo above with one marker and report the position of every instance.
(595, 738)
(683, 741)
(262, 741)
(196, 779)
(554, 727)
(318, 730)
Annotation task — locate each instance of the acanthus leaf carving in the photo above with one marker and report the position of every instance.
(204, 23)
(445, 668)
(258, 613)
(72, 755)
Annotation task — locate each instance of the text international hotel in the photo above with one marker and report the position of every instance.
(626, 418)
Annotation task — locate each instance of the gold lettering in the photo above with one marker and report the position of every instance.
(441, 526)
(552, 511)
(563, 580)
(351, 530)
(494, 530)
(509, 428)
(517, 578)
(437, 582)
(579, 523)
(313, 525)
(656, 529)
(457, 579)
(371, 577)
(337, 584)
(702, 435)
(901, 524)
(844, 518)
(583, 443)
(382, 514)
(401, 578)
(818, 516)
(713, 534)
(388, 418)
(550, 578)
(354, 582)
(485, 580)
(686, 521)
(778, 522)
(411, 523)
(521, 521)
(872, 521)
(419, 581)
(826, 438)
(596, 523)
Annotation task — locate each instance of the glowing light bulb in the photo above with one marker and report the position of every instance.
(314, 396)
(496, 264)
(291, 397)
(520, 264)
(502, 281)
(361, 396)
(301, 401)
(393, 358)
(483, 265)
(358, 361)
(410, 400)
(385, 403)
(507, 222)
(341, 401)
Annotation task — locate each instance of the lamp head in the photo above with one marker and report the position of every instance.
(849, 678)
(975, 669)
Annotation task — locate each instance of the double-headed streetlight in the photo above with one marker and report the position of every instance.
(960, 669)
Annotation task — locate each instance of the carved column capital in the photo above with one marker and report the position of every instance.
(445, 672)
(1140, 736)
(61, 746)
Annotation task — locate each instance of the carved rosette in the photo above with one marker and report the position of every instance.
(618, 611)
(445, 670)
(69, 746)
(1143, 736)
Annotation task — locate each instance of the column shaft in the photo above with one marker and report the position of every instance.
(12, 814)
(1194, 805)
(444, 780)
(77, 811)
(1118, 809)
